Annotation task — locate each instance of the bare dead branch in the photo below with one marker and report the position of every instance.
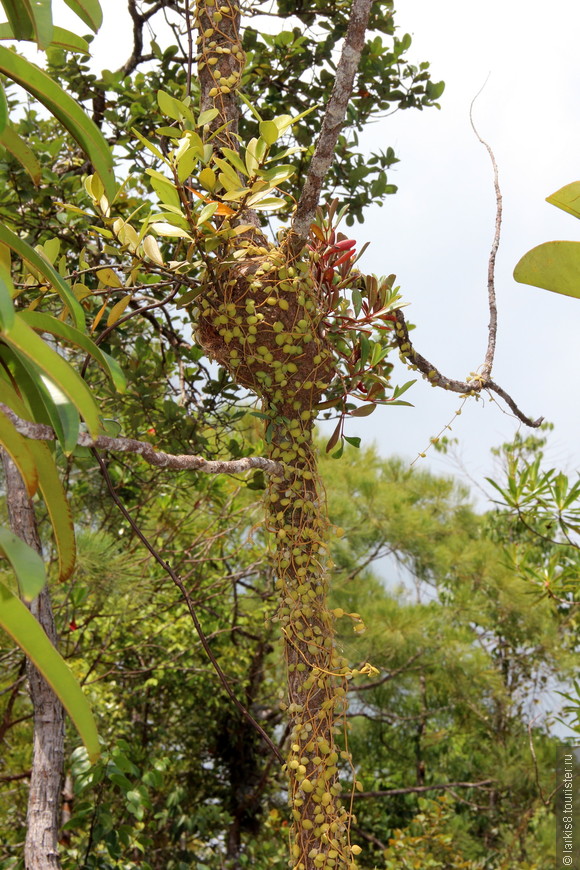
(179, 462)
(472, 387)
(332, 123)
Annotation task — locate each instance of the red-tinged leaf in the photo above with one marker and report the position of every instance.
(363, 410)
(332, 441)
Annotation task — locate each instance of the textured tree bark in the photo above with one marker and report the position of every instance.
(44, 800)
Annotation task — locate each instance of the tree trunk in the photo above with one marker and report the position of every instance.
(44, 800)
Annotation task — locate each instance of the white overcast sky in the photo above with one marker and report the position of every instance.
(435, 233)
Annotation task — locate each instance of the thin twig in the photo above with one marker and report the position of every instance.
(179, 462)
(492, 329)
(419, 789)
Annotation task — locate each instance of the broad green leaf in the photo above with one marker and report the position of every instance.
(234, 158)
(88, 11)
(165, 229)
(567, 198)
(17, 446)
(3, 109)
(40, 14)
(173, 108)
(165, 190)
(29, 255)
(66, 110)
(20, 150)
(19, 623)
(6, 296)
(26, 341)
(47, 323)
(51, 489)
(26, 564)
(269, 132)
(554, 266)
(207, 117)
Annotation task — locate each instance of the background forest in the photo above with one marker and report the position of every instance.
(459, 627)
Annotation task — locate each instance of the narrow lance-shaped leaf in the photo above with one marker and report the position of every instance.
(58, 370)
(40, 14)
(68, 112)
(10, 139)
(89, 11)
(25, 562)
(46, 323)
(18, 18)
(19, 623)
(60, 37)
(16, 445)
(6, 295)
(50, 487)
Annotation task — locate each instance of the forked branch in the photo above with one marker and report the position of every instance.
(481, 381)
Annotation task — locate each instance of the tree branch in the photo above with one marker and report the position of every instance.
(472, 387)
(492, 328)
(179, 462)
(332, 123)
(419, 789)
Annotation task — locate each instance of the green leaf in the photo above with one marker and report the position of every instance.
(20, 150)
(17, 446)
(26, 564)
(3, 109)
(63, 38)
(19, 19)
(40, 14)
(50, 487)
(27, 253)
(174, 108)
(88, 11)
(58, 508)
(26, 341)
(66, 110)
(553, 266)
(207, 117)
(269, 132)
(567, 198)
(19, 623)
(6, 296)
(363, 410)
(47, 323)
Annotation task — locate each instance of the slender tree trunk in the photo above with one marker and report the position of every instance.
(44, 800)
